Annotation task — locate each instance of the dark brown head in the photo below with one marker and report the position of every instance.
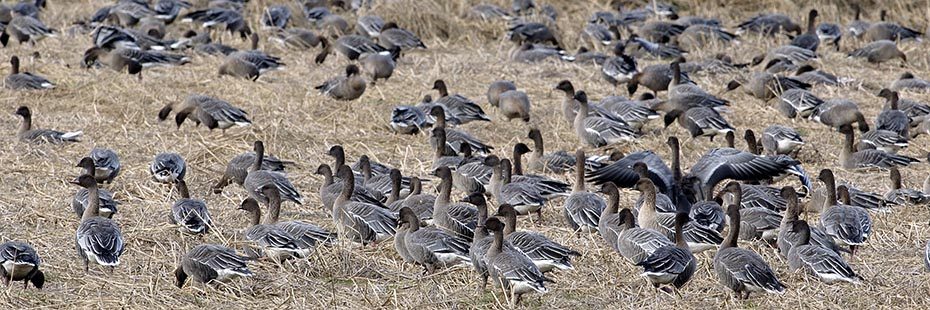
(733, 188)
(671, 116)
(351, 70)
(439, 84)
(324, 170)
(14, 63)
(85, 181)
(86, 163)
(534, 134)
(826, 175)
(734, 84)
(336, 151)
(407, 216)
(520, 149)
(641, 169)
(645, 185)
(23, 111)
(904, 76)
(258, 146)
(388, 25)
(581, 97)
(888, 94)
(845, 129)
(438, 112)
(566, 87)
(619, 49)
(608, 188)
(673, 143)
(249, 205)
(443, 172)
(494, 225)
(475, 199)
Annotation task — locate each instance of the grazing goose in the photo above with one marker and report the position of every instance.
(212, 112)
(380, 66)
(768, 24)
(657, 78)
(407, 119)
(257, 180)
(461, 108)
(709, 213)
(827, 265)
(393, 36)
(297, 38)
(699, 36)
(798, 102)
(907, 81)
(113, 59)
(742, 270)
(671, 265)
(660, 48)
(515, 104)
(358, 221)
(351, 46)
(27, 134)
(24, 80)
(620, 232)
(496, 89)
(839, 112)
(458, 218)
(765, 86)
(903, 196)
(889, 31)
(430, 247)
(699, 121)
(238, 168)
(276, 16)
(190, 215)
(699, 238)
(28, 29)
(211, 263)
(105, 164)
(122, 57)
(882, 140)
(582, 208)
(168, 168)
(545, 253)
(523, 196)
(848, 225)
(513, 270)
(20, 262)
(620, 68)
(275, 243)
(98, 239)
(810, 75)
(455, 137)
(781, 140)
(230, 19)
(532, 32)
(787, 237)
(869, 158)
(809, 40)
(879, 51)
(857, 27)
(345, 88)
(108, 205)
(597, 131)
(892, 119)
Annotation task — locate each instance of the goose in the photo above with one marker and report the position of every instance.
(365, 193)
(889, 31)
(406, 119)
(848, 225)
(431, 247)
(879, 51)
(296, 38)
(798, 102)
(351, 46)
(768, 24)
(708, 213)
(742, 270)
(238, 168)
(275, 243)
(358, 221)
(211, 263)
(663, 202)
(827, 265)
(810, 75)
(419, 202)
(657, 78)
(830, 33)
(907, 81)
(858, 197)
(457, 218)
(688, 92)
(455, 137)
(699, 121)
(788, 237)
(865, 159)
(620, 232)
(916, 110)
(570, 106)
(892, 119)
(345, 88)
(98, 239)
(661, 48)
(257, 180)
(276, 16)
(121, 57)
(168, 10)
(515, 104)
(20, 262)
(546, 254)
(717, 64)
(634, 112)
(532, 32)
(26, 28)
(783, 140)
(231, 20)
(369, 25)
(523, 196)
(882, 140)
(671, 265)
(513, 270)
(307, 236)
(113, 59)
(27, 134)
(239, 68)
(463, 109)
(496, 89)
(719, 164)
(766, 86)
(105, 164)
(481, 241)
(257, 58)
(24, 80)
(620, 68)
(212, 112)
(168, 168)
(809, 40)
(839, 112)
(380, 66)
(598, 33)
(29, 8)
(190, 215)
(698, 36)
(656, 29)
(393, 36)
(597, 131)
(624, 172)
(903, 196)
(857, 27)
(699, 238)
(108, 205)
(556, 162)
(442, 157)
(582, 208)
(129, 13)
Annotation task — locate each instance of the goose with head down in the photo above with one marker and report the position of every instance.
(211, 263)
(20, 262)
(212, 112)
(346, 87)
(168, 168)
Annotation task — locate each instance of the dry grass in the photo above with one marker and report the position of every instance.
(119, 112)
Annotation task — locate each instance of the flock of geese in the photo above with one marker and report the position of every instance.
(677, 215)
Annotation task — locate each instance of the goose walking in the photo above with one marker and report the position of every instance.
(257, 180)
(511, 269)
(211, 263)
(671, 265)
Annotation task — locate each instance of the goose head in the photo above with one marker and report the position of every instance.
(24, 112)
